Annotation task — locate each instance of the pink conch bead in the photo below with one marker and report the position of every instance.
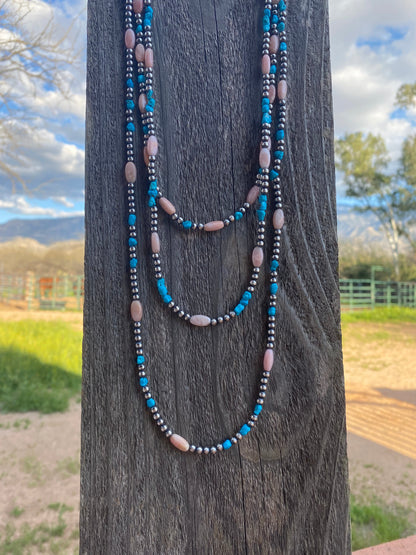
(214, 226)
(272, 93)
(274, 44)
(136, 311)
(152, 145)
(148, 57)
(264, 158)
(142, 103)
(137, 6)
(278, 219)
(130, 172)
(130, 38)
(200, 320)
(253, 194)
(257, 257)
(167, 206)
(265, 64)
(155, 241)
(139, 53)
(282, 90)
(179, 442)
(268, 360)
(146, 156)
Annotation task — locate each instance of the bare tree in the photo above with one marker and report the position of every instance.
(33, 59)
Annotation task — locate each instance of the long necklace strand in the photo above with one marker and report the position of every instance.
(139, 45)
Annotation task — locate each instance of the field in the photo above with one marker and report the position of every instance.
(39, 452)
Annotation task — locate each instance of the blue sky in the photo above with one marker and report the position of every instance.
(372, 49)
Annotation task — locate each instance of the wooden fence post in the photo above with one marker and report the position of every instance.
(284, 489)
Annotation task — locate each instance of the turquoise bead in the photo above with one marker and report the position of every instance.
(160, 281)
(132, 219)
(244, 302)
(163, 290)
(239, 309)
(274, 265)
(150, 94)
(143, 382)
(267, 12)
(283, 46)
(152, 193)
(149, 108)
(133, 262)
(267, 118)
(273, 174)
(247, 295)
(273, 288)
(238, 215)
(244, 429)
(261, 214)
(281, 26)
(271, 311)
(278, 154)
(273, 69)
(131, 126)
(140, 359)
(152, 201)
(129, 104)
(132, 242)
(280, 134)
(150, 403)
(187, 224)
(141, 78)
(166, 299)
(227, 444)
(263, 198)
(139, 29)
(130, 83)
(275, 19)
(257, 409)
(282, 6)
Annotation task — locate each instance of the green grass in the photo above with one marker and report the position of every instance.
(372, 523)
(380, 315)
(40, 366)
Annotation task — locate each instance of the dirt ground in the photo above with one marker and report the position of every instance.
(39, 455)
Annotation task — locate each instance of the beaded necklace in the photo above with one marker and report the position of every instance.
(139, 47)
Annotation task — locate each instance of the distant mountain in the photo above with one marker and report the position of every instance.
(353, 225)
(45, 231)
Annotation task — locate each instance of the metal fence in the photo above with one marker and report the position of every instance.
(32, 292)
(368, 294)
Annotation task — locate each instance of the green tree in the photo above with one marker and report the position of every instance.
(363, 161)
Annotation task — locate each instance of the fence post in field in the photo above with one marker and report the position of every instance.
(283, 488)
(29, 289)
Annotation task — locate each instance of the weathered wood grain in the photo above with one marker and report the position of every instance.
(284, 490)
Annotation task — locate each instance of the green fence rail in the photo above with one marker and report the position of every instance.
(34, 292)
(363, 294)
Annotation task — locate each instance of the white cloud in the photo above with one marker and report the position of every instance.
(18, 204)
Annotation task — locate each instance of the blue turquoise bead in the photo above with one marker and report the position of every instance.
(163, 290)
(239, 309)
(187, 224)
(267, 12)
(141, 78)
(150, 403)
(271, 311)
(129, 104)
(147, 22)
(131, 126)
(143, 382)
(275, 19)
(130, 83)
(280, 134)
(132, 242)
(282, 6)
(152, 193)
(153, 185)
(267, 118)
(263, 198)
(160, 281)
(273, 69)
(278, 154)
(273, 288)
(151, 202)
(265, 100)
(274, 265)
(273, 174)
(151, 101)
(139, 29)
(145, 129)
(140, 359)
(133, 262)
(238, 215)
(227, 444)
(247, 295)
(149, 93)
(283, 46)
(244, 429)
(257, 409)
(262, 205)
(266, 24)
(166, 299)
(132, 219)
(149, 108)
(244, 302)
(265, 108)
(281, 26)
(261, 214)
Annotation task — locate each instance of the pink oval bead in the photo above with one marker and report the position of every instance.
(179, 442)
(253, 194)
(268, 360)
(167, 206)
(278, 218)
(214, 226)
(136, 311)
(282, 90)
(272, 93)
(152, 145)
(148, 57)
(274, 44)
(257, 257)
(200, 320)
(130, 38)
(146, 156)
(130, 172)
(155, 241)
(264, 158)
(142, 103)
(137, 6)
(265, 64)
(139, 53)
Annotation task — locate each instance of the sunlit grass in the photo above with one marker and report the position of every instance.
(380, 315)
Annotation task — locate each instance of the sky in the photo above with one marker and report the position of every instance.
(372, 53)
